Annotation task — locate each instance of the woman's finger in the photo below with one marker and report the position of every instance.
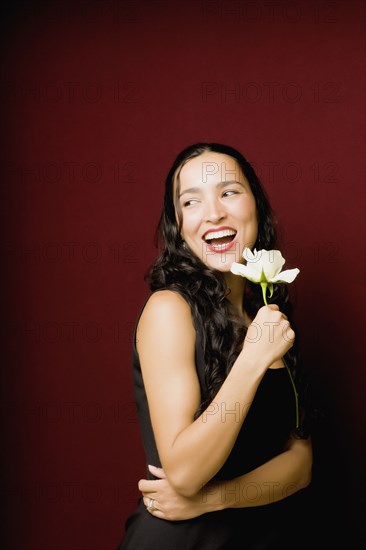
(157, 472)
(154, 510)
(147, 499)
(147, 485)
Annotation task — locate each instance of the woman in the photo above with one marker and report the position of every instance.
(215, 403)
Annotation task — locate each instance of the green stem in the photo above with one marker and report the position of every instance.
(264, 292)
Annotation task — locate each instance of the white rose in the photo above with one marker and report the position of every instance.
(264, 266)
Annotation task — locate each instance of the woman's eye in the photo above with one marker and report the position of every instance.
(230, 193)
(190, 202)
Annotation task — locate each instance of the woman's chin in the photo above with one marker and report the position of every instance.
(222, 265)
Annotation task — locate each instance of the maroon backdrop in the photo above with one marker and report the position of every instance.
(98, 98)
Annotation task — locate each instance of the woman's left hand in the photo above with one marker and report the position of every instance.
(167, 503)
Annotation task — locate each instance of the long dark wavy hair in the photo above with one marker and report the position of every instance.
(177, 268)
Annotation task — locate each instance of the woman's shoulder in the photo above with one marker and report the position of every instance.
(164, 307)
(167, 296)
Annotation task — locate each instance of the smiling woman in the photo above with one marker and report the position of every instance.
(224, 458)
(221, 192)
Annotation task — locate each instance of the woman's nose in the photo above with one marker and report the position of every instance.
(214, 211)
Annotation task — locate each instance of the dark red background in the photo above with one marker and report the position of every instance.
(98, 98)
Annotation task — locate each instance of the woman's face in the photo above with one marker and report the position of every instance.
(218, 209)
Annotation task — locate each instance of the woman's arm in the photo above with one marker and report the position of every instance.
(192, 451)
(280, 477)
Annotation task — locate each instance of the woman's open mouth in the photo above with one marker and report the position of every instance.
(220, 241)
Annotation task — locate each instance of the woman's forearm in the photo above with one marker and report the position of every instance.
(213, 434)
(275, 480)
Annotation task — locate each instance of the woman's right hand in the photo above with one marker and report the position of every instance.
(268, 338)
(170, 505)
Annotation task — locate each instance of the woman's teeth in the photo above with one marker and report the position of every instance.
(220, 237)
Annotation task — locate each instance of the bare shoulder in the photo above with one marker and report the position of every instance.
(166, 311)
(167, 296)
(165, 303)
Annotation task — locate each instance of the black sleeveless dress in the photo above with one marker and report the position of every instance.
(262, 436)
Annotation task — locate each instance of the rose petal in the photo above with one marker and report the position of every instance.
(245, 271)
(286, 276)
(248, 255)
(278, 260)
(272, 263)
